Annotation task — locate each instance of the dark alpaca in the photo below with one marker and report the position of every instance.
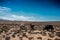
(32, 27)
(48, 27)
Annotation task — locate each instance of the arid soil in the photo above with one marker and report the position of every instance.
(15, 30)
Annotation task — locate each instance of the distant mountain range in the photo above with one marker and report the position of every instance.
(3, 20)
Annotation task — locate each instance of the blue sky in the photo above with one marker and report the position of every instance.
(30, 10)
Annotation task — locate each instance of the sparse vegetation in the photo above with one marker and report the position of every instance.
(22, 31)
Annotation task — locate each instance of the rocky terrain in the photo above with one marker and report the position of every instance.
(24, 30)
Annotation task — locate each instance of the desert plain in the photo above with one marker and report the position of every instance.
(25, 30)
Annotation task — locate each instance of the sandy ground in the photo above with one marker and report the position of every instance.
(34, 36)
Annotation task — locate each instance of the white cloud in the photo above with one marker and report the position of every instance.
(8, 15)
(4, 9)
(18, 18)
